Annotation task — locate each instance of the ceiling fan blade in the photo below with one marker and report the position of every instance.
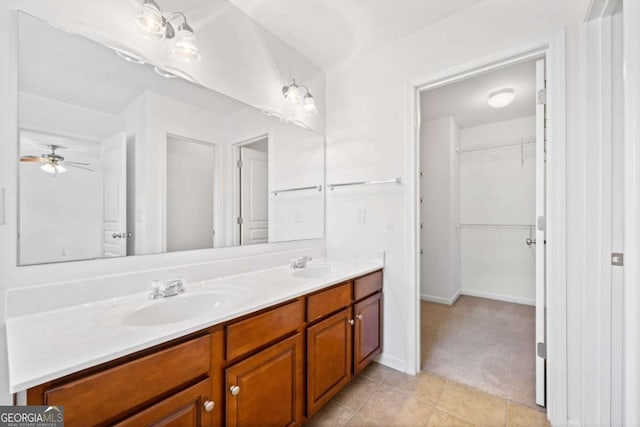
(77, 167)
(76, 163)
(33, 159)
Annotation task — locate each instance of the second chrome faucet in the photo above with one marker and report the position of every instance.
(169, 289)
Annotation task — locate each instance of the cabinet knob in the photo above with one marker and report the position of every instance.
(209, 405)
(352, 322)
(359, 316)
(235, 390)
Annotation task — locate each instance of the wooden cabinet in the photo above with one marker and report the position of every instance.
(328, 358)
(266, 389)
(262, 369)
(188, 408)
(367, 331)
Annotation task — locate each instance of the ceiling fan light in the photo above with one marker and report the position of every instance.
(501, 98)
(150, 22)
(185, 47)
(292, 94)
(53, 168)
(309, 105)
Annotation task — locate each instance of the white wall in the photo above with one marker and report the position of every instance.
(240, 59)
(440, 210)
(496, 188)
(368, 133)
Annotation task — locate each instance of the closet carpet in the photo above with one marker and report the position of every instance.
(486, 344)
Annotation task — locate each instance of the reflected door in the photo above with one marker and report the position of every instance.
(254, 201)
(190, 194)
(114, 221)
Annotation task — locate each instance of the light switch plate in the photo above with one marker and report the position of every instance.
(361, 215)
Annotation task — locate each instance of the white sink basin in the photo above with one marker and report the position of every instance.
(173, 309)
(314, 271)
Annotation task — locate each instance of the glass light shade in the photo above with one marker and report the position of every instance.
(150, 21)
(53, 168)
(292, 95)
(501, 98)
(185, 47)
(309, 105)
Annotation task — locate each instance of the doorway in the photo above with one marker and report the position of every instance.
(252, 192)
(190, 194)
(482, 230)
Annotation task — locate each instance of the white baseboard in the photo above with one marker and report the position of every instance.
(392, 362)
(499, 297)
(441, 300)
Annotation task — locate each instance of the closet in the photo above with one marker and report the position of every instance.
(478, 231)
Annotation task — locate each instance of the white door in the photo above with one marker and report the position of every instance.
(541, 335)
(114, 178)
(190, 194)
(254, 197)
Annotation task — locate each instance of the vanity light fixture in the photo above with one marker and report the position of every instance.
(152, 24)
(164, 73)
(293, 96)
(501, 98)
(129, 57)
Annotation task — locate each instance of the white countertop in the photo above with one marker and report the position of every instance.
(52, 344)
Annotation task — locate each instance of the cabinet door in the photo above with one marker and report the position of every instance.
(267, 389)
(368, 331)
(188, 408)
(328, 358)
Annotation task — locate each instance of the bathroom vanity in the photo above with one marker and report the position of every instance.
(276, 365)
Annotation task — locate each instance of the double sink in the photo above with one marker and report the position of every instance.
(193, 304)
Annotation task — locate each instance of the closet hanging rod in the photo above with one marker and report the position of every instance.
(397, 180)
(505, 226)
(513, 143)
(314, 187)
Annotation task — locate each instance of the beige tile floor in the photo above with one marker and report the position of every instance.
(383, 397)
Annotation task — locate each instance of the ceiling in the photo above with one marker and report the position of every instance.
(63, 66)
(466, 100)
(329, 32)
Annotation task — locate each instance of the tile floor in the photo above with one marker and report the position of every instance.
(383, 397)
(486, 344)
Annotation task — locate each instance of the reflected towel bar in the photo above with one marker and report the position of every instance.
(383, 181)
(314, 187)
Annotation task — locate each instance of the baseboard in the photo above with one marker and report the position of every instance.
(498, 297)
(392, 362)
(441, 300)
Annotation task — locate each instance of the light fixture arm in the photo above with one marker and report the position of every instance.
(171, 32)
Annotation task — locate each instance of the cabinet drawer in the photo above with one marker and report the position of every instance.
(185, 408)
(101, 397)
(326, 302)
(251, 333)
(367, 285)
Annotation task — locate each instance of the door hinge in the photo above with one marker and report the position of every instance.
(240, 220)
(239, 164)
(542, 350)
(542, 223)
(617, 259)
(542, 97)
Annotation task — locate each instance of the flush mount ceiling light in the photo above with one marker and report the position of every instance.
(293, 96)
(152, 24)
(501, 98)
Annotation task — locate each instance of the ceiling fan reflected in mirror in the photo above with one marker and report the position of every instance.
(54, 163)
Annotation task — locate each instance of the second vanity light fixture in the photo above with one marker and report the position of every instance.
(151, 23)
(293, 96)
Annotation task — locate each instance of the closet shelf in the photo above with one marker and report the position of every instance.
(502, 226)
(518, 142)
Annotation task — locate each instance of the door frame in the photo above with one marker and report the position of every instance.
(235, 148)
(553, 49)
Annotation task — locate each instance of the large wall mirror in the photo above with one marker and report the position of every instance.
(118, 158)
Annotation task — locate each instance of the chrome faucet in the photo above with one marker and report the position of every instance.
(299, 262)
(169, 289)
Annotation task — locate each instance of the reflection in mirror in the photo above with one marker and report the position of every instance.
(117, 160)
